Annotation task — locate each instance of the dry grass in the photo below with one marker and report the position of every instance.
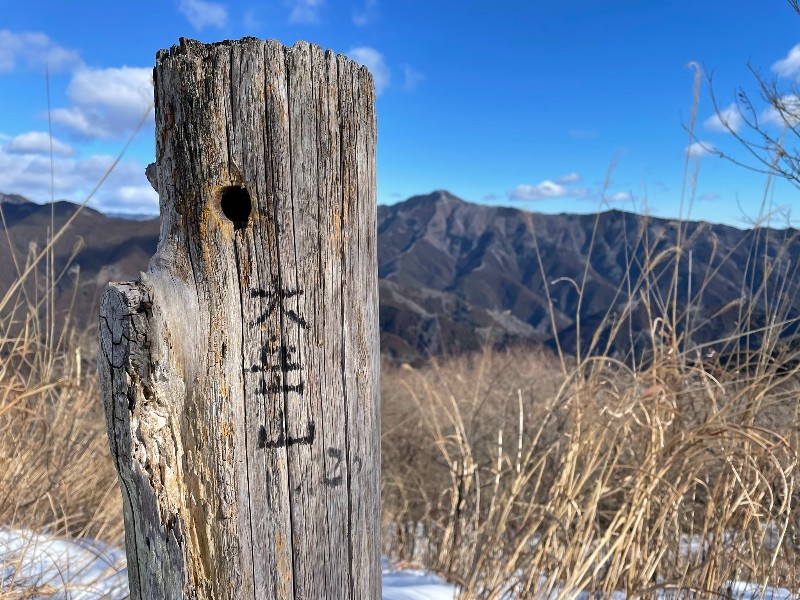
(55, 469)
(503, 475)
(518, 471)
(56, 473)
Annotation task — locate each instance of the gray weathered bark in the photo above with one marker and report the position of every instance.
(240, 373)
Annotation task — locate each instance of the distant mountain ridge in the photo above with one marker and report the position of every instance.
(104, 249)
(456, 275)
(475, 268)
(17, 199)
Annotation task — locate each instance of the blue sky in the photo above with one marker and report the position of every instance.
(528, 104)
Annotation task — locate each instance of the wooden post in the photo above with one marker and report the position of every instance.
(240, 373)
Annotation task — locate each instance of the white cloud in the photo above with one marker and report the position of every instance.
(106, 103)
(373, 60)
(787, 113)
(789, 66)
(569, 178)
(37, 142)
(728, 119)
(136, 198)
(34, 50)
(619, 197)
(125, 190)
(102, 103)
(305, 11)
(366, 15)
(411, 78)
(545, 190)
(698, 149)
(202, 14)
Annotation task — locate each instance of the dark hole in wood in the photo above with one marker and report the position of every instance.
(236, 205)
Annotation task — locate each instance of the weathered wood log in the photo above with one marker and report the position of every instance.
(240, 373)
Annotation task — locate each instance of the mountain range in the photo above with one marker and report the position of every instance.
(456, 275)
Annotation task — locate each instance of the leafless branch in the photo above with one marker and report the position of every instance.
(772, 150)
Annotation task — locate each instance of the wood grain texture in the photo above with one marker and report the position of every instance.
(240, 373)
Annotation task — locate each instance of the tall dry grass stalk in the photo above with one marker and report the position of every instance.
(55, 469)
(56, 472)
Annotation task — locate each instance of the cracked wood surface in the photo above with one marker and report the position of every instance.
(240, 372)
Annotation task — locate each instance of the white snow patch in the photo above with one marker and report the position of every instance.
(82, 569)
(65, 569)
(69, 569)
(415, 585)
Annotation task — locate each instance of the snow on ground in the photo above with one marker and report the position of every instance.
(415, 585)
(72, 569)
(89, 570)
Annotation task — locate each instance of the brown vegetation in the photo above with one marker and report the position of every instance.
(503, 474)
(56, 474)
